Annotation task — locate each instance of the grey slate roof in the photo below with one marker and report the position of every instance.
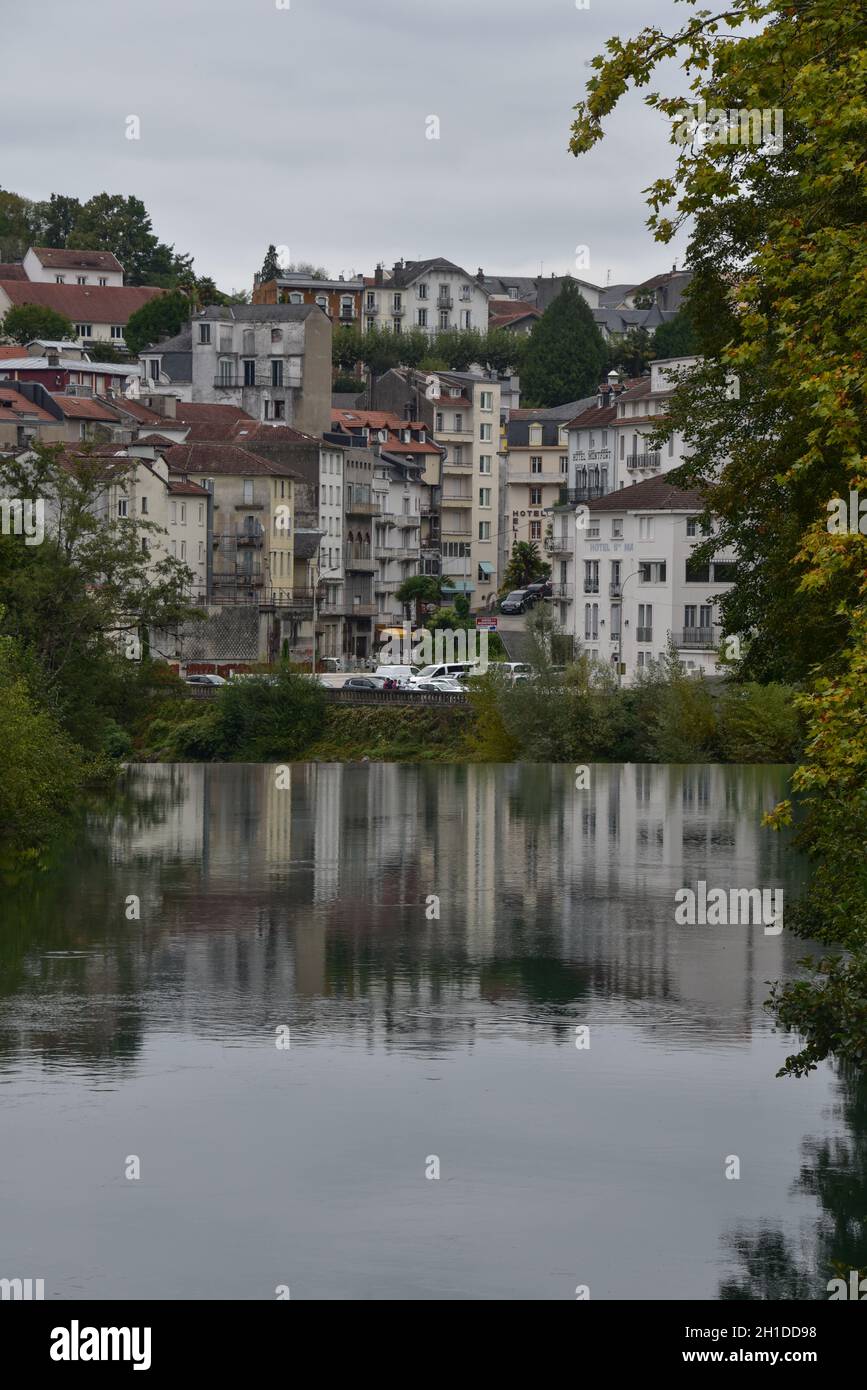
(257, 313)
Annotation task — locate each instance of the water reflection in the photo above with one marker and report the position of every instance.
(309, 900)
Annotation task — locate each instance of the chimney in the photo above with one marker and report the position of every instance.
(379, 274)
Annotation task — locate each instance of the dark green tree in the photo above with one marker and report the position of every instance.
(162, 317)
(419, 590)
(565, 356)
(270, 266)
(631, 352)
(677, 338)
(122, 225)
(24, 322)
(57, 218)
(525, 566)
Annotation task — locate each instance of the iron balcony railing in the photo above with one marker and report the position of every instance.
(560, 545)
(562, 591)
(644, 634)
(695, 637)
(643, 460)
(615, 589)
(571, 496)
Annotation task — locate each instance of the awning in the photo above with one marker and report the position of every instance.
(486, 567)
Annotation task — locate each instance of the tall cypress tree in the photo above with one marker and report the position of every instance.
(566, 355)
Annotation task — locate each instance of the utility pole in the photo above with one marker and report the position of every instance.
(620, 661)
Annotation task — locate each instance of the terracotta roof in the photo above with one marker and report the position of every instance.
(12, 271)
(156, 441)
(653, 495)
(633, 392)
(595, 415)
(62, 258)
(254, 431)
(374, 419)
(210, 423)
(184, 488)
(140, 412)
(85, 408)
(10, 352)
(226, 459)
(505, 311)
(398, 446)
(20, 405)
(83, 303)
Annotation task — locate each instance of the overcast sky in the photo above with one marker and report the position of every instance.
(305, 126)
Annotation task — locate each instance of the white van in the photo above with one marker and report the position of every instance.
(404, 674)
(444, 668)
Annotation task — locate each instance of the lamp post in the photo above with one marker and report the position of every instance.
(318, 579)
(620, 661)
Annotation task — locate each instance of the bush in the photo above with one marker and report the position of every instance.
(268, 717)
(760, 724)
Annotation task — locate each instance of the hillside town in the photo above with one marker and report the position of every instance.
(441, 474)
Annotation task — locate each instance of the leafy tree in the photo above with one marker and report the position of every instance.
(677, 338)
(420, 589)
(525, 566)
(631, 352)
(270, 266)
(24, 322)
(316, 272)
(565, 355)
(19, 222)
(70, 602)
(57, 218)
(122, 225)
(777, 300)
(162, 317)
(273, 718)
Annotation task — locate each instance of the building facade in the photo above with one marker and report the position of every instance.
(434, 296)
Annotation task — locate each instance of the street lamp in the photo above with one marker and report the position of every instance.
(620, 661)
(319, 579)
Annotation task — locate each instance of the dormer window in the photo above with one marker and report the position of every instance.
(60, 279)
(536, 435)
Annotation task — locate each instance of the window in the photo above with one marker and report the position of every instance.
(591, 622)
(81, 279)
(422, 317)
(249, 371)
(645, 528)
(144, 546)
(117, 330)
(535, 497)
(622, 445)
(696, 574)
(183, 513)
(60, 279)
(322, 302)
(296, 297)
(183, 550)
(535, 530)
(346, 309)
(201, 513)
(201, 550)
(396, 303)
(277, 371)
(696, 527)
(591, 576)
(644, 631)
(144, 506)
(440, 420)
(724, 571)
(444, 318)
(459, 423)
(204, 332)
(616, 528)
(421, 290)
(276, 335)
(84, 330)
(458, 453)
(484, 463)
(535, 435)
(466, 318)
(173, 506)
(154, 369)
(103, 279)
(122, 506)
(671, 446)
(564, 464)
(225, 371)
(248, 491)
(513, 291)
(535, 463)
(484, 496)
(486, 433)
(651, 571)
(484, 530)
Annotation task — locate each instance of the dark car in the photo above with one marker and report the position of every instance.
(515, 602)
(364, 683)
(543, 589)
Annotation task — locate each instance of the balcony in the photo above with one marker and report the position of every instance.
(615, 589)
(250, 539)
(456, 502)
(260, 381)
(535, 479)
(407, 519)
(560, 545)
(564, 592)
(573, 496)
(644, 634)
(371, 309)
(643, 460)
(368, 508)
(361, 610)
(397, 311)
(693, 638)
(360, 564)
(346, 315)
(590, 587)
(445, 301)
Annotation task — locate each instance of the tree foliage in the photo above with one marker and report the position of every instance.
(565, 355)
(25, 322)
(162, 317)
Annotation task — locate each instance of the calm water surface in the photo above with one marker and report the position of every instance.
(308, 907)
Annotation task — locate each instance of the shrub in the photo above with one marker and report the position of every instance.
(760, 724)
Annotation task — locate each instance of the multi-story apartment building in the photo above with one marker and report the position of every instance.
(537, 468)
(462, 413)
(639, 409)
(638, 587)
(271, 360)
(434, 295)
(340, 299)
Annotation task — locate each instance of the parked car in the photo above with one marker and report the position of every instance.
(443, 686)
(515, 602)
(364, 683)
(543, 589)
(204, 680)
(512, 670)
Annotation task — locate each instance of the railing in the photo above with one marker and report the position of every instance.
(229, 538)
(590, 587)
(361, 564)
(445, 301)
(695, 637)
(614, 590)
(397, 311)
(449, 501)
(339, 696)
(407, 519)
(356, 508)
(361, 610)
(644, 634)
(571, 496)
(371, 308)
(238, 383)
(560, 545)
(643, 460)
(563, 591)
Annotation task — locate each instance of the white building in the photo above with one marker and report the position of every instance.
(434, 295)
(48, 265)
(636, 586)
